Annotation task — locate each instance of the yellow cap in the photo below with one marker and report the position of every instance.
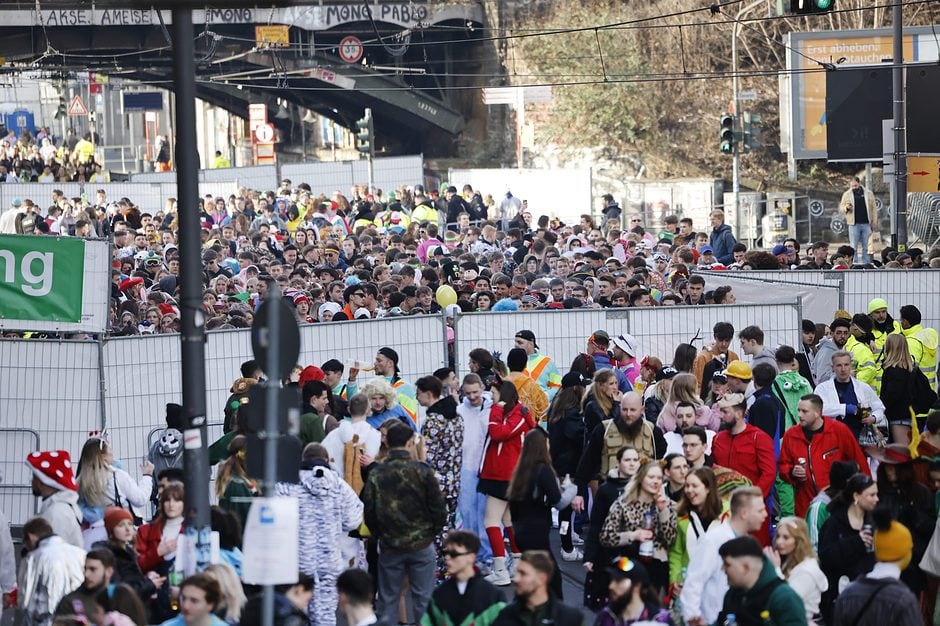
(738, 369)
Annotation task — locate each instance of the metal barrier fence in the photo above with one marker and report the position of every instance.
(857, 287)
(16, 494)
(923, 217)
(63, 390)
(150, 196)
(563, 335)
(819, 301)
(322, 176)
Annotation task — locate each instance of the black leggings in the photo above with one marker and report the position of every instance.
(528, 538)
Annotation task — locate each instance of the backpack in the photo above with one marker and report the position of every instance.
(352, 470)
(789, 387)
(918, 388)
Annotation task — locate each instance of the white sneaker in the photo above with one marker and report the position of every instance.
(574, 555)
(576, 539)
(499, 577)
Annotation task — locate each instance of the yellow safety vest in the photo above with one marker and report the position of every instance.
(866, 368)
(922, 343)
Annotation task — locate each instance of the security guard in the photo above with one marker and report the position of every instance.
(922, 342)
(882, 323)
(867, 368)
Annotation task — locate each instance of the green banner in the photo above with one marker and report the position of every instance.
(41, 278)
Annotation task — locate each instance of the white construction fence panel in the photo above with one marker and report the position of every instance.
(563, 335)
(920, 287)
(328, 176)
(540, 188)
(143, 373)
(16, 494)
(149, 196)
(260, 177)
(49, 399)
(819, 301)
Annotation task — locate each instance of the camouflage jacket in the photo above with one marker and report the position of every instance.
(404, 506)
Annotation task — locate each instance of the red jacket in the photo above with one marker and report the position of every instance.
(148, 538)
(751, 452)
(504, 441)
(835, 442)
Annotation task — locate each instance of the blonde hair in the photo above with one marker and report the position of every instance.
(380, 387)
(802, 546)
(94, 474)
(233, 596)
(683, 389)
(897, 353)
(597, 393)
(631, 492)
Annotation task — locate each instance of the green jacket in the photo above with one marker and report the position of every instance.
(237, 498)
(403, 505)
(770, 594)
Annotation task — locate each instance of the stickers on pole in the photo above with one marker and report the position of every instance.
(270, 542)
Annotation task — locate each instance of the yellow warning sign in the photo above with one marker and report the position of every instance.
(272, 36)
(923, 174)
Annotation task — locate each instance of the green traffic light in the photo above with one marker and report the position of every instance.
(824, 5)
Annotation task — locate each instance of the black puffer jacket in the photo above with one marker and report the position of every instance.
(566, 439)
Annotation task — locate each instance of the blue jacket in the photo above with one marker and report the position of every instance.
(602, 362)
(722, 241)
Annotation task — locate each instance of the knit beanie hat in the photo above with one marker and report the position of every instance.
(893, 540)
(114, 515)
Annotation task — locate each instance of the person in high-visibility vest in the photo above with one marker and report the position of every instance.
(540, 368)
(882, 323)
(386, 365)
(922, 342)
(867, 369)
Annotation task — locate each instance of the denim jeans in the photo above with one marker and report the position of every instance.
(858, 239)
(471, 507)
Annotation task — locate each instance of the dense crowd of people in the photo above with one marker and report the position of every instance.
(799, 487)
(372, 255)
(795, 487)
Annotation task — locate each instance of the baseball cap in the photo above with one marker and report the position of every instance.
(779, 249)
(706, 250)
(528, 335)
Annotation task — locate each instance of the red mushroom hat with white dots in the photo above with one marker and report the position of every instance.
(54, 468)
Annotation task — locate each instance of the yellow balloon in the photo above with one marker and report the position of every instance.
(446, 296)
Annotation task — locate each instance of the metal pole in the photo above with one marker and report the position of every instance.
(900, 144)
(736, 155)
(271, 432)
(192, 337)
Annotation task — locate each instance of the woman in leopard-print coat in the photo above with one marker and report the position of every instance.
(624, 530)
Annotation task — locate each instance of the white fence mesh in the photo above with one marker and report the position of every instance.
(819, 301)
(55, 388)
(562, 335)
(16, 497)
(322, 176)
(857, 287)
(150, 196)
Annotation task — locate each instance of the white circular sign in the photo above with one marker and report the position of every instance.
(816, 208)
(264, 133)
(837, 225)
(350, 49)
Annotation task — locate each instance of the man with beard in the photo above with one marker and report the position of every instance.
(628, 429)
(745, 448)
(632, 599)
(534, 602)
(882, 323)
(99, 568)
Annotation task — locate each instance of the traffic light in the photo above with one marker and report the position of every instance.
(365, 137)
(751, 123)
(811, 7)
(727, 135)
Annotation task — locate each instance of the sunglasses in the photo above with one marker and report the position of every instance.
(454, 553)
